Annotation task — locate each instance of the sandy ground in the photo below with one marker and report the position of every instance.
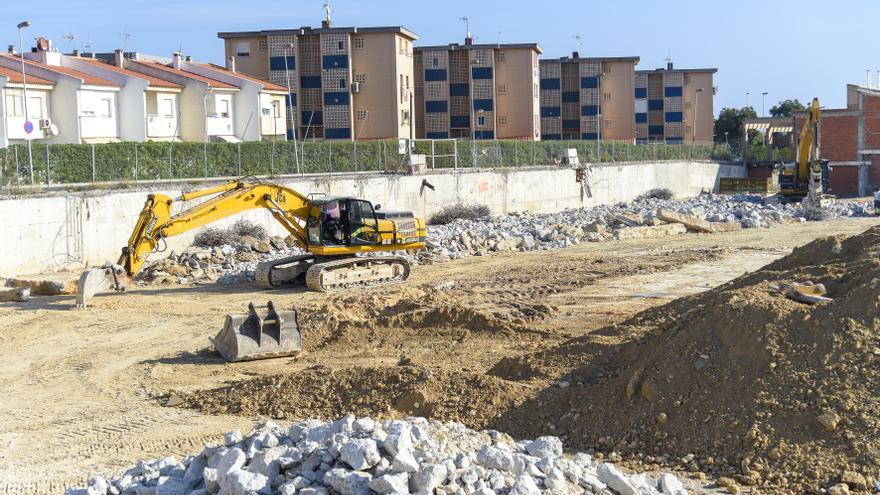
(82, 392)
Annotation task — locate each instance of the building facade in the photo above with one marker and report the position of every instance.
(344, 83)
(674, 106)
(478, 91)
(588, 98)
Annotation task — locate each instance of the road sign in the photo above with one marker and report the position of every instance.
(28, 127)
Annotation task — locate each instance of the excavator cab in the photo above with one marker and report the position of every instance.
(341, 222)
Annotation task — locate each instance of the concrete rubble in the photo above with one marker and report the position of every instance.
(362, 456)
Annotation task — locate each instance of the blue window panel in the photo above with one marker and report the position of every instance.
(589, 110)
(437, 135)
(460, 121)
(554, 83)
(641, 93)
(290, 99)
(674, 140)
(673, 91)
(335, 62)
(342, 133)
(571, 124)
(590, 136)
(641, 141)
(551, 111)
(312, 118)
(336, 98)
(459, 89)
(435, 75)
(551, 137)
(571, 97)
(310, 82)
(655, 104)
(655, 130)
(290, 134)
(641, 118)
(485, 134)
(589, 82)
(481, 73)
(484, 105)
(439, 106)
(674, 117)
(277, 63)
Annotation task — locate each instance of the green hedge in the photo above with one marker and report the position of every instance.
(121, 162)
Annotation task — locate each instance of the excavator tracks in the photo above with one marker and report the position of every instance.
(357, 272)
(274, 274)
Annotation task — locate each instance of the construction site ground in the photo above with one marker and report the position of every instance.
(87, 392)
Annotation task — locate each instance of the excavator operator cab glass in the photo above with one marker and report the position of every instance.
(363, 227)
(313, 226)
(332, 226)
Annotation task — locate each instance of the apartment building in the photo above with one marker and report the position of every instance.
(344, 82)
(479, 91)
(674, 106)
(12, 111)
(588, 98)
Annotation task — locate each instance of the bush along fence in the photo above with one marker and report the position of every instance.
(52, 164)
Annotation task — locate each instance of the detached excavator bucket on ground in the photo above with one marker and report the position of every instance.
(262, 333)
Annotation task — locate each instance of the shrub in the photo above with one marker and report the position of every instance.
(244, 227)
(454, 212)
(213, 236)
(658, 193)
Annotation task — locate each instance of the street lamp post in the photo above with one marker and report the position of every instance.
(696, 115)
(763, 95)
(747, 99)
(27, 117)
(290, 105)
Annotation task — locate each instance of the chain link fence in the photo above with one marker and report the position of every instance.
(59, 164)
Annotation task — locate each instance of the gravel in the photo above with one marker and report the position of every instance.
(362, 456)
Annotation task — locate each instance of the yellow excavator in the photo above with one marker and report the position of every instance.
(806, 179)
(333, 230)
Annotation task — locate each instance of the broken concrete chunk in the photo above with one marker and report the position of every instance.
(609, 475)
(15, 294)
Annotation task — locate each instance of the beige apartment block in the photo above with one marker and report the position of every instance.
(485, 91)
(675, 106)
(588, 98)
(344, 82)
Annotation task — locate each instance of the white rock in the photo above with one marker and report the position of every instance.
(525, 485)
(348, 482)
(244, 483)
(404, 462)
(494, 458)
(670, 485)
(390, 483)
(360, 453)
(615, 480)
(428, 478)
(550, 447)
(232, 438)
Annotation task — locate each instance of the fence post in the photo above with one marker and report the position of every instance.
(205, 148)
(93, 163)
(330, 157)
(48, 177)
(135, 162)
(238, 146)
(455, 154)
(17, 172)
(498, 153)
(170, 163)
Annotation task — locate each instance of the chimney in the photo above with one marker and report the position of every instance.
(176, 58)
(469, 41)
(11, 49)
(325, 24)
(669, 66)
(230, 63)
(575, 55)
(76, 52)
(118, 58)
(189, 58)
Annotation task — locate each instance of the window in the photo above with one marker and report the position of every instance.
(360, 78)
(223, 108)
(404, 116)
(242, 49)
(105, 108)
(166, 107)
(362, 114)
(14, 105)
(606, 68)
(502, 121)
(435, 62)
(341, 45)
(481, 121)
(500, 57)
(609, 124)
(687, 104)
(502, 89)
(358, 43)
(35, 107)
(263, 45)
(402, 81)
(342, 84)
(608, 97)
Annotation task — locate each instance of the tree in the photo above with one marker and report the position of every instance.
(787, 108)
(730, 121)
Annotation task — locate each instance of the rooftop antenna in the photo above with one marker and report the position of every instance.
(868, 83)
(70, 39)
(125, 37)
(87, 46)
(328, 14)
(578, 39)
(669, 57)
(467, 26)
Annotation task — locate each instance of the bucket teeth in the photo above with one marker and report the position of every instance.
(262, 333)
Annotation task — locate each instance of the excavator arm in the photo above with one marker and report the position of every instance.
(808, 151)
(156, 223)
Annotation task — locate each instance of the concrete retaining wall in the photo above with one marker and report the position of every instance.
(58, 232)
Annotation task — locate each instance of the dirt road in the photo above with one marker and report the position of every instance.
(84, 392)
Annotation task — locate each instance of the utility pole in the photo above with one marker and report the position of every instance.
(28, 125)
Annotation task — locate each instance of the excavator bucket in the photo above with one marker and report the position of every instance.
(262, 333)
(91, 282)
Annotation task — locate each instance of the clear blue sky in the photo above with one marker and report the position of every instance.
(756, 45)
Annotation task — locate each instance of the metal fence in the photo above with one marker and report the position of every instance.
(58, 164)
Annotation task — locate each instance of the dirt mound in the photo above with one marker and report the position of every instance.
(389, 392)
(738, 381)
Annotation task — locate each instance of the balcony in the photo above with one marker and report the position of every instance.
(218, 126)
(270, 126)
(161, 126)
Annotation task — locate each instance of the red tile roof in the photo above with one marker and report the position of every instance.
(86, 78)
(152, 80)
(15, 77)
(212, 83)
(266, 84)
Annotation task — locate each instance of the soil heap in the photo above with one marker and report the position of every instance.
(740, 381)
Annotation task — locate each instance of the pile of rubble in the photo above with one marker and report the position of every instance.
(362, 456)
(643, 217)
(226, 263)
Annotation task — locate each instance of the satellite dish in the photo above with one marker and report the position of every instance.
(53, 129)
